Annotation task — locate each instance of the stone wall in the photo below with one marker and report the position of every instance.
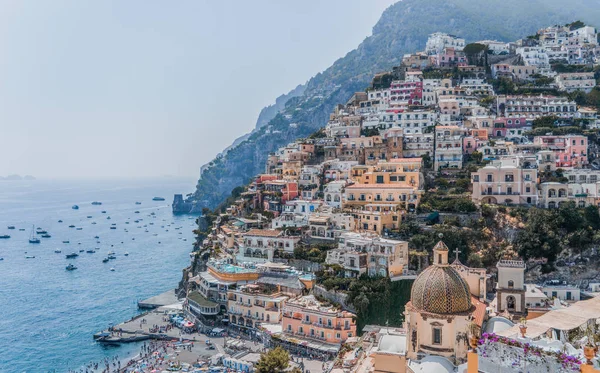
(334, 296)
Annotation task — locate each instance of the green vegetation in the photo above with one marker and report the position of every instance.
(549, 232)
(313, 253)
(379, 301)
(276, 360)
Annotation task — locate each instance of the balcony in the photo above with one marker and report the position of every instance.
(486, 193)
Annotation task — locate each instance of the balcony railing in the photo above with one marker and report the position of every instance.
(486, 193)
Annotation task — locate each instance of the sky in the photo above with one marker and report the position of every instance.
(136, 88)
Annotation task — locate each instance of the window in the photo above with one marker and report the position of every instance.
(379, 179)
(437, 336)
(569, 295)
(511, 284)
(289, 328)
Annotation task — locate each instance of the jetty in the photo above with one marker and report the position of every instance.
(164, 299)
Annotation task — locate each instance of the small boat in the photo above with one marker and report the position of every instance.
(40, 231)
(11, 227)
(70, 267)
(136, 212)
(82, 250)
(29, 256)
(4, 236)
(126, 254)
(21, 229)
(108, 218)
(96, 203)
(113, 227)
(66, 241)
(112, 269)
(71, 226)
(158, 199)
(111, 253)
(46, 235)
(79, 229)
(57, 251)
(72, 255)
(112, 257)
(93, 223)
(75, 207)
(105, 260)
(138, 203)
(1, 259)
(60, 221)
(96, 237)
(90, 251)
(32, 237)
(152, 213)
(104, 211)
(89, 216)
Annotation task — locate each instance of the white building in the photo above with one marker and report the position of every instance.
(438, 41)
(333, 193)
(571, 82)
(409, 121)
(368, 253)
(259, 245)
(497, 47)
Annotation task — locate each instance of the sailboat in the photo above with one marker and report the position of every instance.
(33, 238)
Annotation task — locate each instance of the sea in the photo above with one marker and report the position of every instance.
(48, 315)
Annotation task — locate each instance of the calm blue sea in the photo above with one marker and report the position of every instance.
(47, 314)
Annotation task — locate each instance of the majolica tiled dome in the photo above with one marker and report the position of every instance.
(440, 289)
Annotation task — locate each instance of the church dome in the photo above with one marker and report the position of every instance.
(440, 289)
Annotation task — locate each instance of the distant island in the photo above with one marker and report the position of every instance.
(16, 177)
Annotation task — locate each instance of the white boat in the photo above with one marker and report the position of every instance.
(112, 269)
(70, 267)
(126, 254)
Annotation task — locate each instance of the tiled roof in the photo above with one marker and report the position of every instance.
(479, 313)
(263, 233)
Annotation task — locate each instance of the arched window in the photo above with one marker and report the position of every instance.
(511, 284)
(510, 303)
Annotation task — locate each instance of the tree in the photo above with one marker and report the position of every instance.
(592, 216)
(477, 157)
(273, 361)
(546, 121)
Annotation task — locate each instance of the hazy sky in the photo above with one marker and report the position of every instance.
(148, 88)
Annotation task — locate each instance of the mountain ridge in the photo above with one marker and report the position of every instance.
(403, 28)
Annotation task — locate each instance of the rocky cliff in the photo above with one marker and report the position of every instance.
(403, 28)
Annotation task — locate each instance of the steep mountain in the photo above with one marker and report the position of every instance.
(402, 28)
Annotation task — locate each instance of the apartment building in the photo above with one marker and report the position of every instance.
(384, 257)
(307, 318)
(569, 150)
(259, 245)
(410, 122)
(536, 106)
(571, 82)
(505, 181)
(448, 147)
(438, 41)
(251, 305)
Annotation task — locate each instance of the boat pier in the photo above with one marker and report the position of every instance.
(164, 299)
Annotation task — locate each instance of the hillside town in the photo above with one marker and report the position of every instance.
(412, 233)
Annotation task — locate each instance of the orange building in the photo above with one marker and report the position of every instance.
(306, 317)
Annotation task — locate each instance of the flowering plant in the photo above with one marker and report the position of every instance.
(568, 362)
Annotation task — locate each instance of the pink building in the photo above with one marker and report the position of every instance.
(569, 150)
(450, 57)
(306, 317)
(503, 124)
(410, 92)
